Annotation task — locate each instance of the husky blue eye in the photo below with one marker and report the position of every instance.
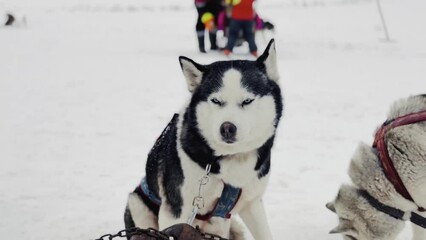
(247, 102)
(215, 101)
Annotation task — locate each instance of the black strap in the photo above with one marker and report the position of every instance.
(418, 220)
(391, 211)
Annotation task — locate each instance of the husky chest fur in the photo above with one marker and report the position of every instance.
(229, 123)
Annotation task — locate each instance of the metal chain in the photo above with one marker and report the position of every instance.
(198, 201)
(137, 231)
(210, 236)
(150, 232)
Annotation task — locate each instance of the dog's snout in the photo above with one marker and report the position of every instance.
(228, 131)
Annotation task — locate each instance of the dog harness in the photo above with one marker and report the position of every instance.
(391, 173)
(388, 168)
(393, 212)
(225, 204)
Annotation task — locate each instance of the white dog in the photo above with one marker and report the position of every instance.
(228, 127)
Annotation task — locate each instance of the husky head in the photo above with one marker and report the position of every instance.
(358, 220)
(235, 105)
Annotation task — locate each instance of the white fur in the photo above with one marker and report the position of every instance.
(271, 64)
(237, 230)
(253, 214)
(245, 177)
(141, 214)
(254, 122)
(192, 75)
(407, 149)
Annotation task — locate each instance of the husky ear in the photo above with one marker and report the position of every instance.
(269, 60)
(192, 71)
(345, 227)
(331, 207)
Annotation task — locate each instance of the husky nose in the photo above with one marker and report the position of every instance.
(228, 131)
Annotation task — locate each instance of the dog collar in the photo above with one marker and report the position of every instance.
(227, 201)
(387, 165)
(393, 212)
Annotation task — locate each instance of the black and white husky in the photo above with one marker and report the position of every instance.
(230, 123)
(377, 206)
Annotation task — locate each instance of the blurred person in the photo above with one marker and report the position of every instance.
(14, 20)
(242, 17)
(208, 11)
(10, 20)
(260, 25)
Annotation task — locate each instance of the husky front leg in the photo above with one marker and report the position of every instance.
(137, 214)
(254, 217)
(167, 217)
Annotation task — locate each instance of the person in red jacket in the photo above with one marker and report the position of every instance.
(242, 18)
(208, 11)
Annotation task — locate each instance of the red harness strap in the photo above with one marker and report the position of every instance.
(386, 162)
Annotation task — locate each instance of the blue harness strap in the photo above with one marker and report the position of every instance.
(227, 201)
(223, 208)
(148, 193)
(224, 205)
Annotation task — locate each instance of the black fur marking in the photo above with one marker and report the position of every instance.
(211, 82)
(279, 103)
(260, 61)
(198, 66)
(268, 25)
(350, 237)
(128, 220)
(255, 82)
(423, 95)
(145, 199)
(398, 149)
(195, 145)
(163, 160)
(263, 163)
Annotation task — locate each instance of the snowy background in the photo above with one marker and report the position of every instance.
(88, 85)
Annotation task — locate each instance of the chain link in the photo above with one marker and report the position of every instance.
(150, 232)
(210, 236)
(198, 201)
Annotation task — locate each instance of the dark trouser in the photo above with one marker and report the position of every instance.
(234, 28)
(213, 7)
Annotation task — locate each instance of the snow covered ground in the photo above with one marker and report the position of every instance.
(88, 85)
